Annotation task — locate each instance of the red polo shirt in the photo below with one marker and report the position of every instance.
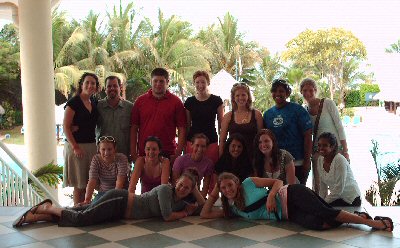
(158, 117)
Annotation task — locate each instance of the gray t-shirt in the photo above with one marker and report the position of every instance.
(158, 202)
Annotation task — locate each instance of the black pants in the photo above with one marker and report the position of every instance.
(341, 203)
(111, 206)
(307, 209)
(301, 175)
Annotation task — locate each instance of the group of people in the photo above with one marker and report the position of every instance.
(253, 151)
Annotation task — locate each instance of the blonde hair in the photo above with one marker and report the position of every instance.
(241, 86)
(308, 81)
(239, 199)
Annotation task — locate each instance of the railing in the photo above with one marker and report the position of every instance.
(15, 189)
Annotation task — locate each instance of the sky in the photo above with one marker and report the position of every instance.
(272, 23)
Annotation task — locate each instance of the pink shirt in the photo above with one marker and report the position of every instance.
(107, 174)
(204, 166)
(158, 117)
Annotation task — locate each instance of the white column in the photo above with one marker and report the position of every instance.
(37, 78)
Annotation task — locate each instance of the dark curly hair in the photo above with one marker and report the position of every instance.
(330, 137)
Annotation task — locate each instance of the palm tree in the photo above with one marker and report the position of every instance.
(350, 75)
(171, 47)
(124, 43)
(86, 49)
(228, 50)
(269, 69)
(294, 76)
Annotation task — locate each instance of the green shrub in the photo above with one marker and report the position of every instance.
(348, 111)
(8, 119)
(353, 99)
(18, 118)
(368, 88)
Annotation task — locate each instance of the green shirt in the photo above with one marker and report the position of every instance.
(251, 195)
(115, 122)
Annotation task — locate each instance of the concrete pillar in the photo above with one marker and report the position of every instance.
(37, 78)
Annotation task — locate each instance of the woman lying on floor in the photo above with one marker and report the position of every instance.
(162, 201)
(296, 203)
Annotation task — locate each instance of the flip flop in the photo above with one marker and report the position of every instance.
(19, 221)
(383, 218)
(368, 217)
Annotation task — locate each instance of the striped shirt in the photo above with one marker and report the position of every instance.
(107, 174)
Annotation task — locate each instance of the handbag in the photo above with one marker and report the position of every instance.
(321, 105)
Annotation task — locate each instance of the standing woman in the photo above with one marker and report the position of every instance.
(270, 161)
(335, 174)
(201, 110)
(328, 121)
(81, 116)
(292, 128)
(242, 119)
(152, 169)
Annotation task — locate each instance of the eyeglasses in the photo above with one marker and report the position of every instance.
(107, 138)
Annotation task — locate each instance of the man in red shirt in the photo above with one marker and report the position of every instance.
(158, 113)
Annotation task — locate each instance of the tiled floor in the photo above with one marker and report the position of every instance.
(195, 232)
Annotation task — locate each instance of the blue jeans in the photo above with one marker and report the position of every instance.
(110, 207)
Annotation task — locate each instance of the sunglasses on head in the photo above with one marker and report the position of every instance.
(241, 84)
(107, 138)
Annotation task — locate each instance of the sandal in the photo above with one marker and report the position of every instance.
(382, 219)
(21, 220)
(367, 216)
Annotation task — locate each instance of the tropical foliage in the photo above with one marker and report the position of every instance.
(329, 53)
(126, 44)
(394, 48)
(384, 192)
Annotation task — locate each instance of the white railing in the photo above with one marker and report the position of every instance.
(15, 189)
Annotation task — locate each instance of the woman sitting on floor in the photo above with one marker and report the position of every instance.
(108, 169)
(270, 161)
(162, 201)
(295, 202)
(234, 158)
(335, 174)
(152, 169)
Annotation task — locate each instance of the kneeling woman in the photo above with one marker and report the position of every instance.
(335, 174)
(162, 201)
(294, 202)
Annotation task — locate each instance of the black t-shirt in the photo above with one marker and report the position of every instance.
(85, 120)
(242, 171)
(203, 115)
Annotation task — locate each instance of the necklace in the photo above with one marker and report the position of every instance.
(242, 119)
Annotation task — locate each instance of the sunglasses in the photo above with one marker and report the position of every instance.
(241, 84)
(107, 138)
